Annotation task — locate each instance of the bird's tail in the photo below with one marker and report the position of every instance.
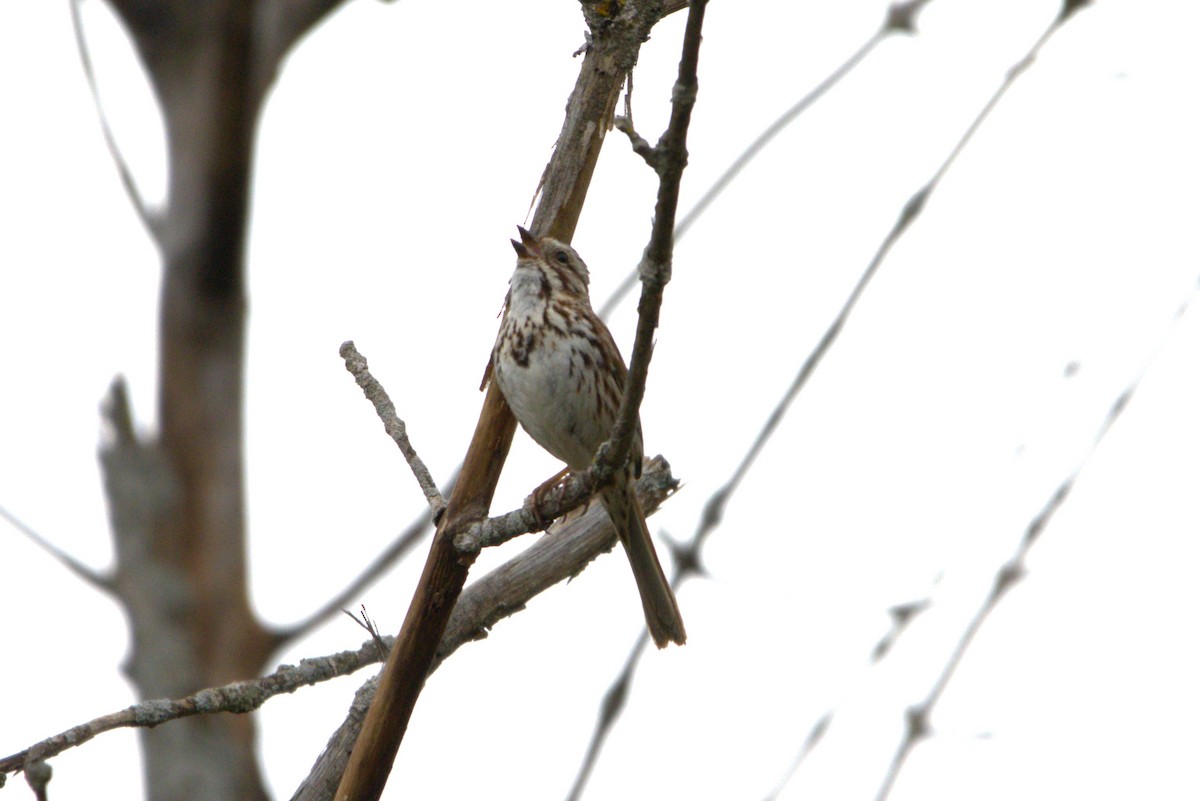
(658, 601)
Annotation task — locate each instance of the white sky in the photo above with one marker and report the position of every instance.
(391, 171)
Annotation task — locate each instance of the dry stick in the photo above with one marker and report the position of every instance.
(118, 414)
(356, 365)
(238, 697)
(612, 53)
(669, 159)
(570, 545)
(441, 582)
(153, 227)
(89, 576)
(899, 19)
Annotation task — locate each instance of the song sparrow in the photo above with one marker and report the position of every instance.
(563, 377)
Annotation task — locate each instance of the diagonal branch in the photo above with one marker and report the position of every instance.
(669, 160)
(238, 697)
(140, 207)
(356, 364)
(86, 574)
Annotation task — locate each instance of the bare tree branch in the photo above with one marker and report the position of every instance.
(641, 147)
(669, 160)
(538, 507)
(140, 207)
(89, 576)
(356, 364)
(238, 697)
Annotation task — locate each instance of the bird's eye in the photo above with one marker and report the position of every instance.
(561, 257)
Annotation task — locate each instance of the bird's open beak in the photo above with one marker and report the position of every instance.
(528, 247)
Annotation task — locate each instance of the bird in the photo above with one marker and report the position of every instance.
(563, 377)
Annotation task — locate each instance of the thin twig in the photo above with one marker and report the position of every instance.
(356, 364)
(139, 204)
(538, 507)
(89, 576)
(238, 697)
(640, 146)
(670, 158)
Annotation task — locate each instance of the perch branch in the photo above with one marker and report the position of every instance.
(238, 697)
